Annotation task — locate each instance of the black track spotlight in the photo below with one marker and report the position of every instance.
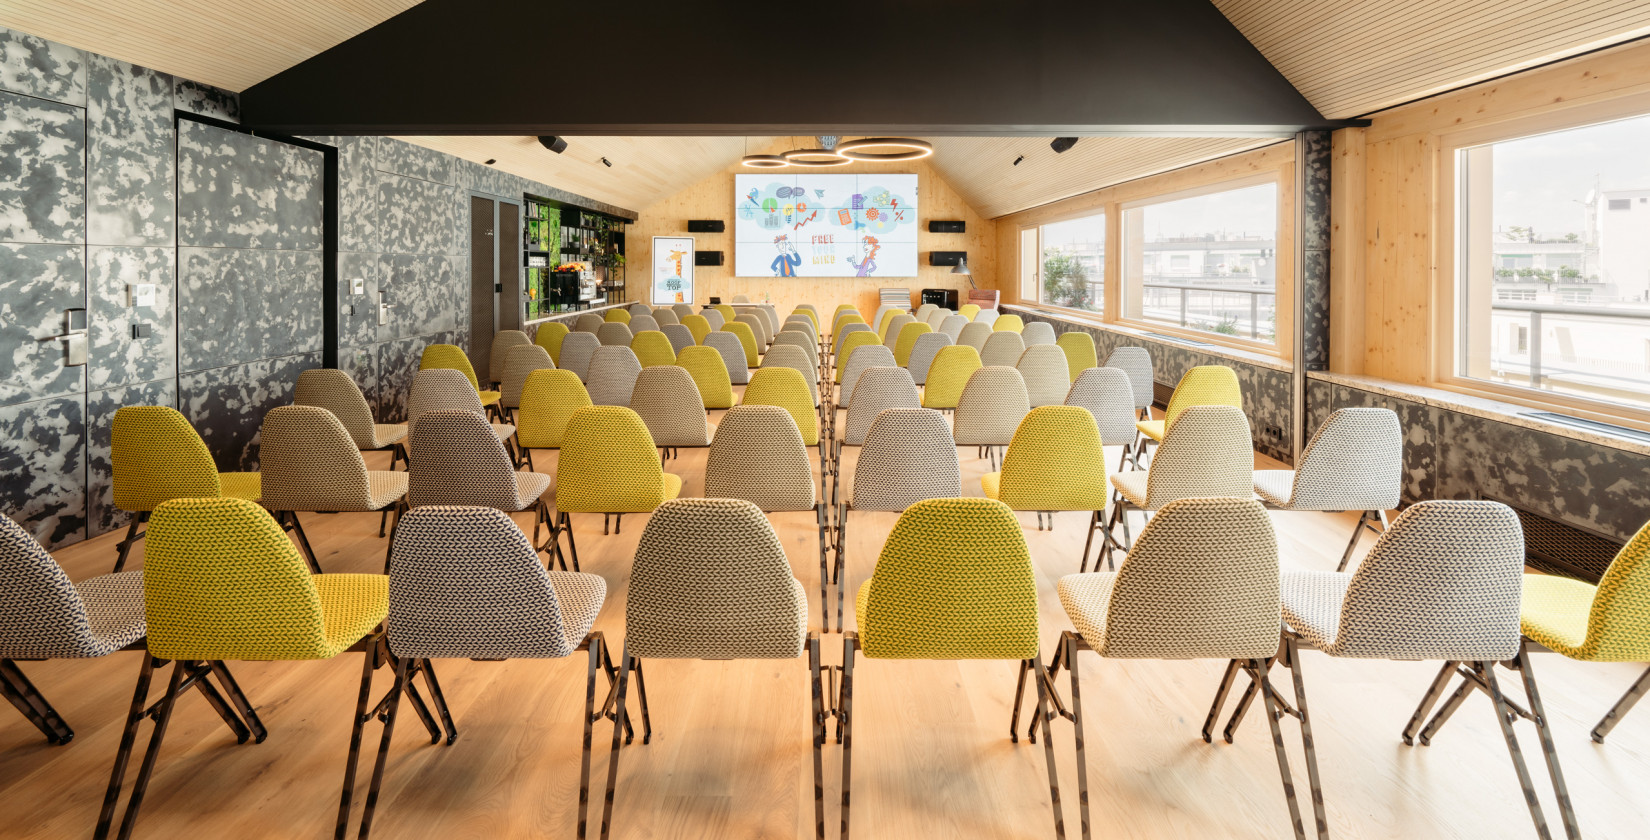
(607, 163)
(1018, 159)
(554, 144)
(1061, 144)
(491, 161)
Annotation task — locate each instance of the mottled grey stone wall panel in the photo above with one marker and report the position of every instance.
(217, 318)
(417, 217)
(37, 283)
(116, 357)
(358, 328)
(42, 171)
(43, 468)
(37, 67)
(397, 363)
(227, 405)
(402, 158)
(1314, 152)
(361, 363)
(290, 310)
(240, 191)
(130, 155)
(100, 417)
(425, 293)
(206, 100)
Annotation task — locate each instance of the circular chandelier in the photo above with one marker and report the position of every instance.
(877, 149)
(815, 158)
(764, 161)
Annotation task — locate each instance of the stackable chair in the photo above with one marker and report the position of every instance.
(335, 391)
(1204, 385)
(1037, 332)
(1137, 363)
(445, 390)
(715, 318)
(682, 310)
(907, 456)
(550, 336)
(788, 389)
(710, 581)
(890, 331)
(1079, 350)
(741, 299)
(221, 582)
(1355, 461)
(503, 342)
(954, 581)
(643, 323)
(465, 584)
(1107, 395)
(698, 326)
(669, 404)
(638, 309)
(309, 464)
(987, 317)
(922, 311)
(937, 317)
(666, 317)
(990, 409)
(1212, 455)
(732, 350)
(451, 357)
(862, 359)
(797, 359)
(465, 465)
(619, 316)
(1003, 349)
(1008, 323)
(948, 375)
(906, 341)
(680, 337)
(653, 347)
(975, 336)
(520, 362)
(614, 333)
(801, 339)
(747, 339)
(1441, 584)
(710, 375)
(548, 401)
(758, 455)
(968, 310)
(1202, 583)
(952, 325)
(1043, 366)
(1054, 463)
(877, 390)
(44, 616)
(576, 350)
(847, 342)
(759, 331)
(613, 372)
(922, 354)
(589, 322)
(156, 456)
(609, 465)
(879, 321)
(809, 310)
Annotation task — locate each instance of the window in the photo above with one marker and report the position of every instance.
(1073, 266)
(1205, 262)
(1553, 276)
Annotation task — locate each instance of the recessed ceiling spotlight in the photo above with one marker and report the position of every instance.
(764, 161)
(607, 163)
(814, 157)
(876, 149)
(491, 161)
(1018, 159)
(553, 143)
(1061, 144)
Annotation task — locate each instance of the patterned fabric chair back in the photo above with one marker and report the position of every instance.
(797, 359)
(616, 316)
(710, 375)
(549, 337)
(608, 464)
(643, 323)
(747, 340)
(878, 389)
(309, 462)
(906, 341)
(1200, 583)
(954, 581)
(937, 317)
(879, 321)
(682, 310)
(809, 310)
(1043, 366)
(845, 320)
(802, 324)
(1203, 385)
(732, 350)
(42, 614)
(1079, 350)
(923, 353)
(1055, 462)
(466, 583)
(1137, 363)
(576, 350)
(460, 461)
(156, 455)
(548, 401)
(851, 338)
(439, 389)
(975, 336)
(498, 358)
(1107, 395)
(952, 325)
(680, 337)
(801, 340)
(759, 328)
(991, 407)
(986, 316)
(948, 375)
(1004, 349)
(669, 403)
(968, 311)
(896, 324)
(698, 326)
(613, 372)
(589, 322)
(1444, 582)
(638, 310)
(1355, 461)
(922, 311)
(1008, 323)
(785, 387)
(335, 391)
(710, 581)
(1213, 455)
(759, 455)
(449, 357)
(741, 299)
(715, 318)
(1618, 625)
(665, 317)
(518, 364)
(1037, 332)
(222, 581)
(615, 334)
(908, 456)
(862, 359)
(652, 347)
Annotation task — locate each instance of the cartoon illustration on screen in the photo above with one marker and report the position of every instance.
(865, 266)
(785, 264)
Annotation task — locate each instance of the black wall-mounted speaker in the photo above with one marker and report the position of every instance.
(706, 226)
(946, 257)
(945, 226)
(707, 257)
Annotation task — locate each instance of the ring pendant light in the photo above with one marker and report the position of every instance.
(815, 158)
(862, 149)
(764, 161)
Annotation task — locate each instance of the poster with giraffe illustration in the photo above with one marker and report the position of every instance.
(672, 270)
(802, 224)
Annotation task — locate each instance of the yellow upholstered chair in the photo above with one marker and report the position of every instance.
(948, 375)
(887, 317)
(652, 347)
(1054, 463)
(809, 310)
(453, 357)
(548, 401)
(709, 373)
(1009, 323)
(727, 312)
(969, 310)
(846, 350)
(1203, 385)
(1080, 352)
(697, 325)
(954, 581)
(157, 456)
(222, 582)
(907, 339)
(549, 337)
(609, 464)
(747, 338)
(620, 315)
(786, 388)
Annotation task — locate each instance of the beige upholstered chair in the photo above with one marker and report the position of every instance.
(499, 355)
(802, 340)
(589, 322)
(668, 401)
(890, 338)
(1137, 363)
(639, 309)
(715, 318)
(1107, 394)
(907, 339)
(444, 389)
(521, 361)
(576, 350)
(952, 325)
(975, 334)
(937, 317)
(1003, 348)
(877, 389)
(665, 317)
(1211, 455)
(682, 310)
(336, 392)
(923, 311)
(862, 358)
(680, 337)
(759, 328)
(741, 299)
(643, 323)
(990, 410)
(877, 323)
(1043, 366)
(1037, 332)
(459, 461)
(613, 372)
(614, 334)
(309, 464)
(927, 346)
(987, 316)
(733, 355)
(1355, 461)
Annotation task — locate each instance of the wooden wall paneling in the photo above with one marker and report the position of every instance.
(1400, 258)
(1348, 202)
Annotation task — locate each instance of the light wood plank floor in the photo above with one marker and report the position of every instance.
(730, 756)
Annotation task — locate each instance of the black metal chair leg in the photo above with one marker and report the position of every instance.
(198, 672)
(613, 760)
(1357, 531)
(1088, 542)
(1445, 713)
(824, 570)
(1272, 715)
(597, 647)
(1640, 687)
(641, 697)
(1068, 646)
(128, 736)
(1225, 688)
(1043, 681)
(124, 547)
(1503, 716)
(573, 547)
(147, 768)
(28, 700)
(371, 657)
(1319, 815)
(303, 541)
(845, 722)
(1549, 750)
(817, 690)
(1428, 700)
(1019, 700)
(439, 698)
(393, 705)
(383, 521)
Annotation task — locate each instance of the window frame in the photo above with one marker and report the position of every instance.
(1106, 296)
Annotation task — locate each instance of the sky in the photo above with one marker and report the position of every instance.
(1538, 180)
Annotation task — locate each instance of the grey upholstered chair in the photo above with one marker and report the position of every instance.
(309, 464)
(520, 362)
(668, 401)
(613, 372)
(952, 325)
(759, 328)
(639, 309)
(801, 340)
(682, 310)
(796, 358)
(923, 311)
(462, 463)
(1037, 332)
(1004, 349)
(1137, 363)
(576, 350)
(993, 403)
(1107, 394)
(680, 336)
(444, 389)
(1355, 461)
(1043, 366)
(862, 358)
(335, 391)
(890, 339)
(975, 334)
(936, 316)
(923, 352)
(987, 316)
(498, 356)
(615, 334)
(875, 321)
(665, 317)
(640, 323)
(589, 322)
(733, 354)
(714, 318)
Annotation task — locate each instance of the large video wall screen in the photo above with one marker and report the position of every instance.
(822, 225)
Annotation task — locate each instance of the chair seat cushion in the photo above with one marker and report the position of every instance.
(580, 597)
(503, 430)
(1132, 484)
(388, 434)
(114, 609)
(992, 484)
(1087, 597)
(1312, 604)
(385, 488)
(1275, 487)
(489, 397)
(1151, 428)
(242, 485)
(1555, 612)
(351, 606)
(530, 486)
(673, 486)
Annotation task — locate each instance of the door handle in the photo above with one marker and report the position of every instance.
(384, 307)
(73, 337)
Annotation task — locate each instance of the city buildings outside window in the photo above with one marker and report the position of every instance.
(1073, 268)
